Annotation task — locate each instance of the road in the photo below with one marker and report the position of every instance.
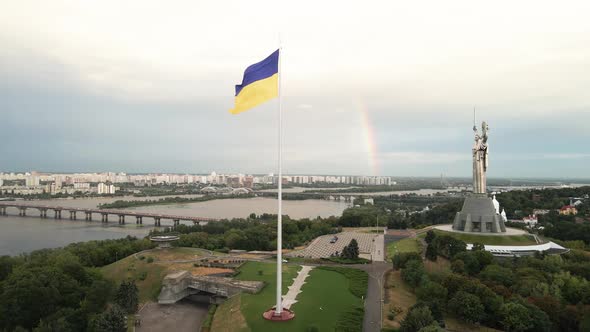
(373, 302)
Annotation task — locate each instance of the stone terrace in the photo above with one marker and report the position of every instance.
(322, 248)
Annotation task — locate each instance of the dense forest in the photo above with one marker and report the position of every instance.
(541, 293)
(519, 203)
(61, 289)
(255, 233)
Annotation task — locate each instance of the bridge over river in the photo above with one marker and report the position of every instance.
(88, 213)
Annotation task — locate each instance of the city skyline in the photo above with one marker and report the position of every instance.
(77, 94)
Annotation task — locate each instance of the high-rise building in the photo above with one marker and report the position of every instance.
(32, 181)
(102, 189)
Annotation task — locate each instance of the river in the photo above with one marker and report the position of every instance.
(336, 191)
(25, 234)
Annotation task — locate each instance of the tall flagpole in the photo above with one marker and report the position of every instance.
(279, 307)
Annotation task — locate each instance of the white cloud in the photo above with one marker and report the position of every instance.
(417, 67)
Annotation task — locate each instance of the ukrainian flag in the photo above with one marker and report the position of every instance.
(260, 84)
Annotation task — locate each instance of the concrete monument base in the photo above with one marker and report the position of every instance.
(509, 231)
(285, 315)
(478, 215)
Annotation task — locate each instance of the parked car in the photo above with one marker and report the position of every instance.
(334, 239)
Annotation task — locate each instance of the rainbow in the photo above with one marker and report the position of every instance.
(368, 137)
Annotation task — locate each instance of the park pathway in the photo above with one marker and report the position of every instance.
(290, 298)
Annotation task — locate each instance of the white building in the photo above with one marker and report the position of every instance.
(32, 181)
(106, 189)
(82, 186)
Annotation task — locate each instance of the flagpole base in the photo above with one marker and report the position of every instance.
(285, 315)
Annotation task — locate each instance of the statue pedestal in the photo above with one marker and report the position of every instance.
(479, 216)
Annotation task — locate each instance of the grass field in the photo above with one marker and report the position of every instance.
(324, 299)
(131, 268)
(397, 294)
(500, 240)
(404, 245)
(135, 268)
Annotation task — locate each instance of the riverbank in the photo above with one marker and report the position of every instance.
(24, 234)
(122, 204)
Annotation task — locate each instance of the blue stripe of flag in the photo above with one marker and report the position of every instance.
(259, 71)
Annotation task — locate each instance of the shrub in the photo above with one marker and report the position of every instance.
(150, 259)
(209, 319)
(141, 258)
(351, 320)
(400, 259)
(143, 275)
(313, 328)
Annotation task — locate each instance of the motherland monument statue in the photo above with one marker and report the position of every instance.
(479, 213)
(480, 159)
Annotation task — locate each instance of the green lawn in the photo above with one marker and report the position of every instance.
(404, 245)
(131, 268)
(325, 299)
(500, 240)
(253, 305)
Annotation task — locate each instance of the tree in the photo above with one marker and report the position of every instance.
(7, 263)
(471, 263)
(541, 321)
(432, 292)
(351, 251)
(127, 297)
(414, 273)
(467, 306)
(29, 294)
(97, 296)
(60, 324)
(484, 258)
(478, 246)
(515, 317)
(431, 252)
(417, 319)
(401, 259)
(112, 320)
(497, 274)
(430, 235)
(457, 266)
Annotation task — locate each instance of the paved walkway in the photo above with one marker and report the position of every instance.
(378, 252)
(183, 316)
(295, 288)
(374, 299)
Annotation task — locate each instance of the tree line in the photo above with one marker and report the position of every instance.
(62, 289)
(537, 293)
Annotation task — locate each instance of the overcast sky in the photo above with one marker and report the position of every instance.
(376, 88)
